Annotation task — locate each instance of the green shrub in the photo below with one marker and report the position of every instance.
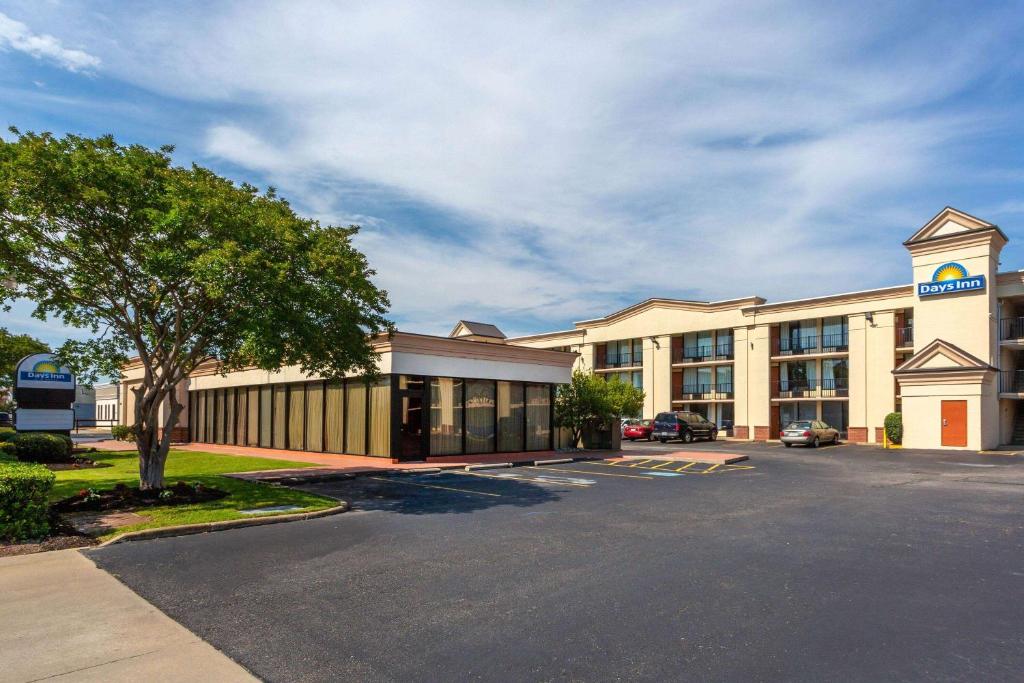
(894, 428)
(42, 447)
(24, 489)
(7, 434)
(123, 432)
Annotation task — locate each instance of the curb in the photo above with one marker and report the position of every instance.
(556, 461)
(189, 529)
(488, 466)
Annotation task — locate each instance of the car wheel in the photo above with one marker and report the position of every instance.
(815, 443)
(713, 436)
(650, 437)
(787, 444)
(687, 436)
(663, 440)
(835, 440)
(630, 438)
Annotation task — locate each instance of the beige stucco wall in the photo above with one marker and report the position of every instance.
(922, 413)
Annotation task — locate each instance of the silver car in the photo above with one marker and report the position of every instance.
(808, 433)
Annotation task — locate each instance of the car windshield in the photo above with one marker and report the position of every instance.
(799, 425)
(646, 423)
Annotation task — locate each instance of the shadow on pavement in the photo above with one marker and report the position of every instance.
(433, 494)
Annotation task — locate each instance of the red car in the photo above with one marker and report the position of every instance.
(640, 429)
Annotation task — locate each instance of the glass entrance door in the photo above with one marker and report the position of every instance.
(412, 433)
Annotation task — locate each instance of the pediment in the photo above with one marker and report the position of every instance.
(948, 222)
(941, 356)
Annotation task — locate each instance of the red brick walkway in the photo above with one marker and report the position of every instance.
(334, 463)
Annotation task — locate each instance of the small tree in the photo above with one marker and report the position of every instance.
(588, 398)
(175, 266)
(14, 347)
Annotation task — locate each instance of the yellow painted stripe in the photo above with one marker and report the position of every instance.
(435, 486)
(642, 462)
(686, 466)
(667, 462)
(713, 467)
(589, 472)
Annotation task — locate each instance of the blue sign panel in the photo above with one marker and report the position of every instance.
(950, 278)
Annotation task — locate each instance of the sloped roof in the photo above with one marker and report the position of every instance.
(467, 327)
(939, 226)
(941, 356)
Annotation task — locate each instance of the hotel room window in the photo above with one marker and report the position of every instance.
(446, 400)
(480, 426)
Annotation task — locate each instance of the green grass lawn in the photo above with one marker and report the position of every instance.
(189, 466)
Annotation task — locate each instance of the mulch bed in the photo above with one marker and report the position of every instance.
(62, 536)
(76, 463)
(122, 497)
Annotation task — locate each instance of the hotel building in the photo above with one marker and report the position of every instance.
(944, 350)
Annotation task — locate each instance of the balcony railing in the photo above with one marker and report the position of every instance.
(1011, 328)
(704, 352)
(904, 336)
(831, 343)
(623, 360)
(1011, 381)
(827, 343)
(794, 346)
(818, 388)
(703, 392)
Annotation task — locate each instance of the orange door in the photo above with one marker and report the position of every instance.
(954, 423)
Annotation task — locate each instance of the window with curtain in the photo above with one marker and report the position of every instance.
(266, 415)
(296, 417)
(229, 416)
(253, 419)
(280, 416)
(446, 416)
(314, 417)
(209, 417)
(219, 416)
(334, 418)
(241, 416)
(200, 397)
(538, 417)
(380, 418)
(705, 344)
(480, 427)
(723, 378)
(510, 417)
(355, 424)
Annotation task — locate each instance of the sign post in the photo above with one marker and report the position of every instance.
(45, 392)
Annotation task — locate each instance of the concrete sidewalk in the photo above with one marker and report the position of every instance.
(63, 619)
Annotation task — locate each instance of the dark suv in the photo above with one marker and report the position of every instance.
(5, 420)
(683, 425)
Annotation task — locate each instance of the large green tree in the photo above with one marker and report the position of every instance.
(174, 266)
(14, 347)
(589, 398)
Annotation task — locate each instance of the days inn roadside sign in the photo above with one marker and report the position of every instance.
(950, 278)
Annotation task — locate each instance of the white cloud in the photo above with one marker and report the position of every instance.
(589, 154)
(15, 35)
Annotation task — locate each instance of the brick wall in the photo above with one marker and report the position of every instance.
(178, 435)
(741, 432)
(879, 434)
(857, 434)
(761, 433)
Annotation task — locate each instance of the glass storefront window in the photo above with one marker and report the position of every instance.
(280, 417)
(538, 417)
(315, 417)
(334, 418)
(355, 423)
(253, 419)
(480, 427)
(446, 401)
(380, 418)
(510, 417)
(296, 417)
(266, 415)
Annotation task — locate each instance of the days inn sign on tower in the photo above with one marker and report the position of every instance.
(950, 278)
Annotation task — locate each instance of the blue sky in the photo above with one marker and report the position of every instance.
(531, 165)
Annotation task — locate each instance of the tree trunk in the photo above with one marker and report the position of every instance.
(152, 445)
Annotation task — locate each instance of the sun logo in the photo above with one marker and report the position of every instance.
(45, 366)
(949, 271)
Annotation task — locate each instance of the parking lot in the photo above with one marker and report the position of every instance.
(845, 562)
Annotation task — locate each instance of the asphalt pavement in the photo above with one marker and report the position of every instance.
(846, 563)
